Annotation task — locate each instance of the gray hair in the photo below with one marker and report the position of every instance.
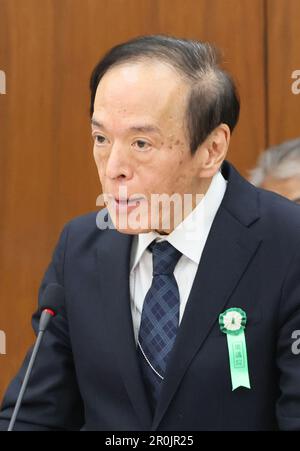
(280, 162)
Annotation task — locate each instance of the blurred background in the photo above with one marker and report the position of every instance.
(48, 49)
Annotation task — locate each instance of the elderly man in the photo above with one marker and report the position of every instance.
(278, 170)
(177, 315)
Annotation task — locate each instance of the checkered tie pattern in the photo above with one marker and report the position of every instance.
(160, 318)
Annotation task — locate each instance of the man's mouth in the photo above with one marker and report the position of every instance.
(130, 201)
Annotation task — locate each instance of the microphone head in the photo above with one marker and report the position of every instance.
(53, 298)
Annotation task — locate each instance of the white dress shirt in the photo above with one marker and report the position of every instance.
(189, 237)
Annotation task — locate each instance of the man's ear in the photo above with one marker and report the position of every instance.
(214, 150)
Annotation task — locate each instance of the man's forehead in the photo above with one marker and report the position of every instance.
(138, 71)
(140, 86)
(142, 126)
(139, 81)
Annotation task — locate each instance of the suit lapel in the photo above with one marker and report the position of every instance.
(114, 259)
(229, 249)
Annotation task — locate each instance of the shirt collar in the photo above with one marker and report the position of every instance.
(193, 229)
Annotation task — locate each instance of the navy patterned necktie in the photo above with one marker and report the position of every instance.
(160, 319)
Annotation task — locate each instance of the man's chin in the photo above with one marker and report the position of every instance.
(130, 225)
(129, 231)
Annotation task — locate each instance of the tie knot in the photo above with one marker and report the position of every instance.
(165, 257)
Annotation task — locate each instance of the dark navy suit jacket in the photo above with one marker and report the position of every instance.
(87, 374)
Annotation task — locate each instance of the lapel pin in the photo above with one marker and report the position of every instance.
(232, 323)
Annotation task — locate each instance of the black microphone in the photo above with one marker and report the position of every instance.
(52, 299)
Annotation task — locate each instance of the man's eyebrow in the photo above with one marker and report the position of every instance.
(142, 128)
(96, 123)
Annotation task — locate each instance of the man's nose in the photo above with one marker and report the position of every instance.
(118, 164)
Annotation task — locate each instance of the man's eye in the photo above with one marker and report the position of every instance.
(99, 139)
(141, 144)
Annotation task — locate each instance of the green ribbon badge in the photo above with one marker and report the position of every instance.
(232, 323)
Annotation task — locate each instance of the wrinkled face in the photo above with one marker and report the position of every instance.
(141, 146)
(289, 188)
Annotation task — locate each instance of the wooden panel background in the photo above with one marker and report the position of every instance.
(283, 51)
(47, 176)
